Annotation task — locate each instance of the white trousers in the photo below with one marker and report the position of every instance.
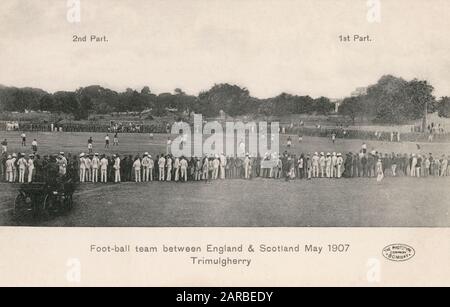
(413, 171)
(9, 176)
(334, 171)
(95, 175)
(169, 174)
(137, 175)
(315, 171)
(222, 172)
(161, 174)
(393, 169)
(82, 174)
(30, 174)
(117, 175)
(21, 175)
(103, 175)
(183, 173)
(88, 174)
(144, 173)
(322, 171)
(328, 171)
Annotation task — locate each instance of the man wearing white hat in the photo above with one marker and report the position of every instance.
(322, 164)
(279, 168)
(334, 165)
(273, 172)
(161, 165)
(95, 166)
(34, 145)
(176, 166)
(14, 167)
(183, 168)
(205, 167)
(339, 163)
(107, 141)
(62, 163)
(88, 164)
(168, 147)
(246, 166)
(82, 168)
(379, 170)
(216, 164)
(444, 166)
(211, 167)
(169, 168)
(90, 144)
(145, 167)
(198, 169)
(104, 169)
(22, 167)
(315, 165)
(30, 165)
(328, 165)
(151, 165)
(413, 165)
(9, 169)
(137, 169)
(116, 168)
(24, 139)
(223, 164)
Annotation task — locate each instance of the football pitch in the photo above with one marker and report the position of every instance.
(137, 143)
(357, 202)
(361, 202)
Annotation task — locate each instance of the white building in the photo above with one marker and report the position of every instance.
(359, 91)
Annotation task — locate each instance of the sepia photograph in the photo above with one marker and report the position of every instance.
(224, 143)
(224, 114)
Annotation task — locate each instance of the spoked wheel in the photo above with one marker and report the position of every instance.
(50, 207)
(68, 202)
(22, 207)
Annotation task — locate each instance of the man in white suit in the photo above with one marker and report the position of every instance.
(104, 169)
(82, 168)
(116, 169)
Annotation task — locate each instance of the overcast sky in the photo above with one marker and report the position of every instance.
(267, 46)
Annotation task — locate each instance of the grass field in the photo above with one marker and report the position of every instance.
(400, 201)
(259, 202)
(139, 143)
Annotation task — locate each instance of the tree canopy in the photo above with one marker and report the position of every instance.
(390, 100)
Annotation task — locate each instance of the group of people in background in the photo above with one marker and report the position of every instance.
(93, 167)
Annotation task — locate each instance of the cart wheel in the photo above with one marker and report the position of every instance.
(49, 208)
(22, 206)
(68, 202)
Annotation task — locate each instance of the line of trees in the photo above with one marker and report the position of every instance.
(231, 99)
(390, 100)
(394, 100)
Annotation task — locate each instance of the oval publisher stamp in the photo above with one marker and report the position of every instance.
(398, 252)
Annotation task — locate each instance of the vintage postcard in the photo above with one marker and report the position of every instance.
(225, 143)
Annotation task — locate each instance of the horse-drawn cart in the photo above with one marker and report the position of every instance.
(42, 199)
